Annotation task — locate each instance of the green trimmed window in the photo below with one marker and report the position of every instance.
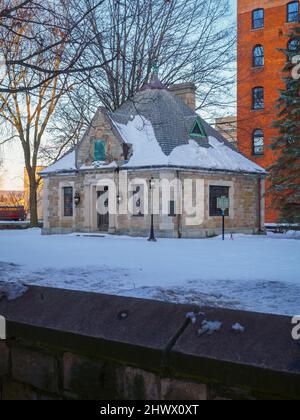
(99, 150)
(197, 129)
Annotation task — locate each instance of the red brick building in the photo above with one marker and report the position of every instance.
(263, 26)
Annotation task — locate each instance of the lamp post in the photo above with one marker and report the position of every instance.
(151, 186)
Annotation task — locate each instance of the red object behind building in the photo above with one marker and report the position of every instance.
(12, 213)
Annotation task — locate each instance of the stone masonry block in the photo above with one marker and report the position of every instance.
(4, 359)
(36, 368)
(13, 391)
(173, 389)
(91, 379)
(140, 385)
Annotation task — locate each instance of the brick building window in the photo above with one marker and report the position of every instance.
(68, 201)
(293, 45)
(258, 18)
(258, 98)
(293, 12)
(258, 142)
(216, 192)
(258, 56)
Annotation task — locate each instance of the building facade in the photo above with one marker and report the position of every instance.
(153, 156)
(227, 126)
(263, 28)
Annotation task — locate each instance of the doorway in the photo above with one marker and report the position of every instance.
(103, 219)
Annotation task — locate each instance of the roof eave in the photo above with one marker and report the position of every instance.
(176, 167)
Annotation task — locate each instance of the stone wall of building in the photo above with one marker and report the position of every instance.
(100, 129)
(74, 345)
(244, 214)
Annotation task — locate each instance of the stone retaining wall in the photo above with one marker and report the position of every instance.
(75, 345)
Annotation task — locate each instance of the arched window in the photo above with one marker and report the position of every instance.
(258, 142)
(293, 12)
(258, 18)
(258, 101)
(258, 56)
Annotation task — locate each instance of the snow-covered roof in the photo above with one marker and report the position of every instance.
(158, 124)
(148, 152)
(65, 164)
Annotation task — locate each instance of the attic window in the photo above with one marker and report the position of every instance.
(197, 130)
(99, 151)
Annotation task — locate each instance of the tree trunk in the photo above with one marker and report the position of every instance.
(34, 221)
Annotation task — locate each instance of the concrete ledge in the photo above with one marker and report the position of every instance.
(263, 358)
(65, 344)
(119, 328)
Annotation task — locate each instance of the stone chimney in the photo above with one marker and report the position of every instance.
(187, 93)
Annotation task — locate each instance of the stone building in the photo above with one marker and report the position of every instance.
(153, 156)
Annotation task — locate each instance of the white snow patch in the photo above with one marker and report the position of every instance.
(100, 165)
(147, 151)
(210, 327)
(192, 316)
(12, 290)
(66, 163)
(256, 273)
(238, 328)
(290, 234)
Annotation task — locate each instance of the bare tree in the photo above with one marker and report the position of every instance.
(11, 198)
(24, 116)
(69, 18)
(1, 172)
(42, 44)
(190, 40)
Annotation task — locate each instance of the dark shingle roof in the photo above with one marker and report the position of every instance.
(170, 117)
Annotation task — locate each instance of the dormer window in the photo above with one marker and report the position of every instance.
(99, 151)
(197, 130)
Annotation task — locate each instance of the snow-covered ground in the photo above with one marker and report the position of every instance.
(250, 272)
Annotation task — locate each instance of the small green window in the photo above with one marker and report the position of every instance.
(197, 129)
(99, 150)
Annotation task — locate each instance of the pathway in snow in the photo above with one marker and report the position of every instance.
(254, 273)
